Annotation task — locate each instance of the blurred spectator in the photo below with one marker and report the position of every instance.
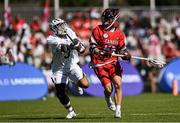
(164, 28)
(46, 58)
(169, 49)
(19, 54)
(94, 13)
(28, 57)
(35, 24)
(38, 51)
(154, 45)
(152, 78)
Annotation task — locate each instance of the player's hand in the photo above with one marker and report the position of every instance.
(105, 53)
(127, 56)
(75, 43)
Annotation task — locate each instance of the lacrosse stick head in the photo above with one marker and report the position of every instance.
(156, 63)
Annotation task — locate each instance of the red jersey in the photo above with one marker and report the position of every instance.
(112, 41)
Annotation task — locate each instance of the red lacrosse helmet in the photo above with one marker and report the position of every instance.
(109, 16)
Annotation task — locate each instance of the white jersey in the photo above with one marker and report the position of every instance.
(62, 61)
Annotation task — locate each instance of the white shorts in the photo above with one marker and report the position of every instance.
(74, 74)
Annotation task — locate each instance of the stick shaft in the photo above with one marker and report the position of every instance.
(141, 58)
(69, 37)
(134, 57)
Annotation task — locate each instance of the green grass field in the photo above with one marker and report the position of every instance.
(142, 108)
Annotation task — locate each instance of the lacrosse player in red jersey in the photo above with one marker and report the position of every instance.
(106, 39)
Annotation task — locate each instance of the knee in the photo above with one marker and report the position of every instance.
(117, 85)
(84, 84)
(108, 89)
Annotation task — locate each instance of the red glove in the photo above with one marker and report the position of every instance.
(127, 56)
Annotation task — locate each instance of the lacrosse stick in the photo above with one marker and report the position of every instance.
(69, 36)
(76, 44)
(153, 62)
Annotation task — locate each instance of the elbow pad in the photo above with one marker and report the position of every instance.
(81, 48)
(92, 48)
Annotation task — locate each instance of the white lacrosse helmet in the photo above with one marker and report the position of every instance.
(58, 26)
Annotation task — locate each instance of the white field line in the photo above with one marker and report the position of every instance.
(95, 114)
(155, 114)
(30, 115)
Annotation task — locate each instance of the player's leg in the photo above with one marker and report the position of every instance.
(107, 92)
(64, 99)
(118, 95)
(11, 56)
(79, 78)
(60, 81)
(83, 82)
(117, 81)
(103, 76)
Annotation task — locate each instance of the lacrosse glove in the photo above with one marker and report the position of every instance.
(74, 44)
(77, 45)
(127, 56)
(105, 53)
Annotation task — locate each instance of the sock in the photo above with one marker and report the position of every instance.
(118, 107)
(68, 107)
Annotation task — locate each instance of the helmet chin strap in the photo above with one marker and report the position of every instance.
(115, 18)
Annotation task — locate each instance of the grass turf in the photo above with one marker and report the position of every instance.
(146, 107)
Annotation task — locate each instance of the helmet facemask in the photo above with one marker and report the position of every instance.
(59, 26)
(62, 28)
(109, 17)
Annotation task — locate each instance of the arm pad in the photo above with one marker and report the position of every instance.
(92, 48)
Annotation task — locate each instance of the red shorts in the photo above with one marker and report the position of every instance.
(107, 72)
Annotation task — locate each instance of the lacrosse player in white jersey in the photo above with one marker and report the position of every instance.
(66, 46)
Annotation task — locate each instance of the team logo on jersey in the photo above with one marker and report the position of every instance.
(105, 35)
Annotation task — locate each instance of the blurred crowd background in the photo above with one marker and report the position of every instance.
(148, 33)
